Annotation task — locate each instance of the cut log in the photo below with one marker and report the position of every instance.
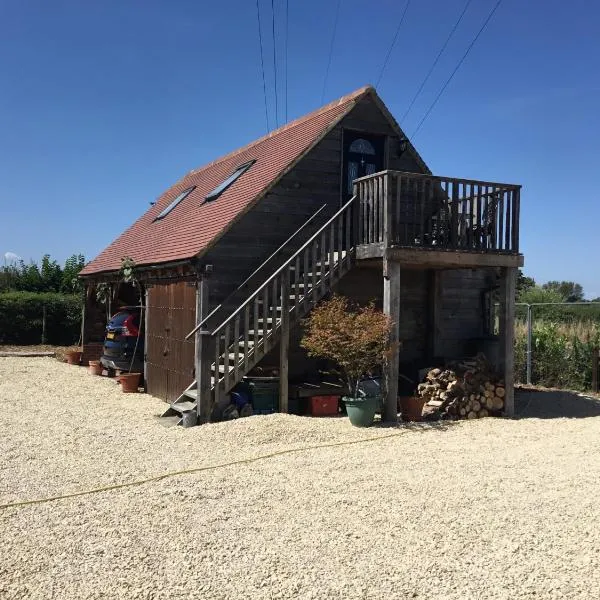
(483, 413)
(500, 392)
(497, 403)
(476, 406)
(471, 415)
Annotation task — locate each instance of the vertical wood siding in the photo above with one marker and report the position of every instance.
(170, 358)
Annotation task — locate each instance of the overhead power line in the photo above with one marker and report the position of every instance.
(335, 22)
(460, 62)
(287, 29)
(389, 52)
(435, 62)
(274, 62)
(262, 64)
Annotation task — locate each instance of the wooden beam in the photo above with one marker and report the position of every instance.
(507, 336)
(459, 259)
(284, 344)
(203, 355)
(391, 307)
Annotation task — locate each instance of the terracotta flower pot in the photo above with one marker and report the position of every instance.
(130, 382)
(74, 357)
(95, 367)
(412, 408)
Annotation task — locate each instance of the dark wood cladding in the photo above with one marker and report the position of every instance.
(171, 315)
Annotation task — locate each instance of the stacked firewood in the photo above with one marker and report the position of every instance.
(467, 390)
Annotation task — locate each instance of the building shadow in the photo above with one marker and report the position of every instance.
(554, 404)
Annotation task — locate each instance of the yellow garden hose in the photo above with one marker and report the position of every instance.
(118, 486)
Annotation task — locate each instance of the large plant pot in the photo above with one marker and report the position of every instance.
(130, 382)
(95, 367)
(74, 357)
(361, 411)
(411, 408)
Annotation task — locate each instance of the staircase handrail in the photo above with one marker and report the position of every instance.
(217, 308)
(278, 271)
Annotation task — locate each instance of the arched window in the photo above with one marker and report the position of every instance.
(362, 146)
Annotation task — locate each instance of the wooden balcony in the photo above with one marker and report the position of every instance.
(430, 220)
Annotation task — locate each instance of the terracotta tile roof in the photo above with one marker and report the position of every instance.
(194, 224)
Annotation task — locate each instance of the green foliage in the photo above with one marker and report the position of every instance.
(561, 354)
(569, 291)
(21, 317)
(356, 339)
(524, 282)
(46, 277)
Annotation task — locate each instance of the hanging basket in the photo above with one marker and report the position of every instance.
(130, 382)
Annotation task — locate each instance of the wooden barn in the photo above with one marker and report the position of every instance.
(237, 252)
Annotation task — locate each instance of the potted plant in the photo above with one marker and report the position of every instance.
(357, 340)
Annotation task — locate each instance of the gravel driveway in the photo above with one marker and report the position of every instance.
(472, 510)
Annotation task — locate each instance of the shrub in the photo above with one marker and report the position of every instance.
(561, 353)
(356, 339)
(21, 316)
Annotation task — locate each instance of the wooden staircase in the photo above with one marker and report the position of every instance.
(231, 349)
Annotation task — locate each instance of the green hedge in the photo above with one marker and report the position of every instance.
(21, 318)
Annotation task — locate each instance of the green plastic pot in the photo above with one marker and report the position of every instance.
(361, 411)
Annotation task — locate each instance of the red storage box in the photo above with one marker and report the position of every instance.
(321, 406)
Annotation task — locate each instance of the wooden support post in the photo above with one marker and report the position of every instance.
(391, 307)
(146, 340)
(507, 336)
(284, 344)
(203, 355)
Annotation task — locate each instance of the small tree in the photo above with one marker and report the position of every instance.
(356, 339)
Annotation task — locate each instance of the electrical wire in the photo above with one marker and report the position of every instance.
(389, 52)
(262, 64)
(435, 62)
(460, 62)
(287, 28)
(274, 62)
(335, 22)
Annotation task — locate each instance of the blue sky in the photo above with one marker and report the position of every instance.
(105, 104)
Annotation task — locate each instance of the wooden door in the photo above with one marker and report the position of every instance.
(171, 315)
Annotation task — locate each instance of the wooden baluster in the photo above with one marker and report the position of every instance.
(226, 356)
(400, 237)
(428, 237)
(276, 303)
(236, 348)
(313, 287)
(472, 216)
(265, 313)
(323, 258)
(331, 254)
(297, 288)
(348, 243)
(340, 243)
(371, 233)
(479, 209)
(499, 222)
(454, 215)
(509, 220)
(383, 204)
(361, 214)
(246, 337)
(375, 211)
(305, 280)
(255, 326)
(388, 221)
(516, 213)
(217, 375)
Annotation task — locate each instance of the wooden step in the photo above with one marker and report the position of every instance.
(182, 407)
(191, 394)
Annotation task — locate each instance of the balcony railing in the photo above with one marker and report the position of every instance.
(413, 210)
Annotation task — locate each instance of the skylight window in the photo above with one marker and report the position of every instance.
(225, 184)
(175, 202)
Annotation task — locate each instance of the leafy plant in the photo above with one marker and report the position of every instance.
(355, 338)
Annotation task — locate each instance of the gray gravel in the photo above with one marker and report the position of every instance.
(479, 509)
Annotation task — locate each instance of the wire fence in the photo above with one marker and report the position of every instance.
(556, 344)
